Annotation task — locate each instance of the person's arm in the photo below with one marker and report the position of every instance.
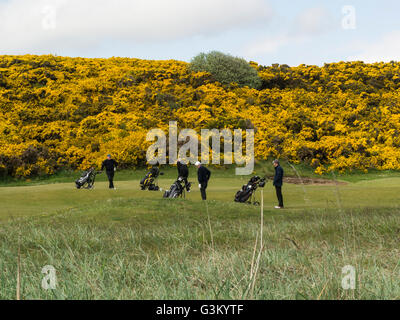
(279, 175)
(208, 174)
(102, 166)
(200, 176)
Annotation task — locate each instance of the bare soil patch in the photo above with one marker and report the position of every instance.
(312, 181)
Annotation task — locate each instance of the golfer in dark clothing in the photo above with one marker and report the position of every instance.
(183, 172)
(203, 175)
(111, 166)
(278, 182)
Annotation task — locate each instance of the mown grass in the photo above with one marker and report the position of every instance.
(261, 168)
(128, 244)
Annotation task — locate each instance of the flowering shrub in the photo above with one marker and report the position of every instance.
(58, 113)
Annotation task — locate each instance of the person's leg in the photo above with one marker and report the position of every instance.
(110, 176)
(203, 191)
(186, 183)
(279, 196)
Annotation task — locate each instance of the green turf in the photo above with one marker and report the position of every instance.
(129, 244)
(261, 167)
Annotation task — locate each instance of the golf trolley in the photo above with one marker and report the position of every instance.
(87, 179)
(178, 189)
(247, 193)
(149, 182)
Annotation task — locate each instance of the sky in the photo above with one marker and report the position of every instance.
(289, 32)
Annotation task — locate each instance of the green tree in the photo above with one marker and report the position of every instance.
(226, 69)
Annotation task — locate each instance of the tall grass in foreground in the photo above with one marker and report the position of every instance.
(160, 249)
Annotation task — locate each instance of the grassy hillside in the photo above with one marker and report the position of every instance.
(61, 113)
(128, 244)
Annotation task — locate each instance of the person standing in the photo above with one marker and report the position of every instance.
(111, 167)
(183, 172)
(203, 175)
(278, 182)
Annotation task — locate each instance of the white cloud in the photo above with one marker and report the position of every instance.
(309, 23)
(385, 49)
(273, 44)
(27, 24)
(313, 21)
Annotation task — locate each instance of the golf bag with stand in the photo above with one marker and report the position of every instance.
(149, 181)
(177, 189)
(247, 193)
(87, 179)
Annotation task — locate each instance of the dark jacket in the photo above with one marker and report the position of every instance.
(183, 170)
(278, 179)
(203, 175)
(109, 165)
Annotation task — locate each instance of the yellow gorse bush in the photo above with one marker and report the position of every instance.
(58, 113)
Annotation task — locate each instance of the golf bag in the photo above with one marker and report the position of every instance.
(87, 179)
(177, 189)
(149, 181)
(248, 190)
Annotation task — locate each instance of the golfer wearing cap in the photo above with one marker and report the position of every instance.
(203, 175)
(111, 167)
(278, 182)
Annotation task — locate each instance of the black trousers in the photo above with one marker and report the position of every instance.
(185, 180)
(110, 176)
(203, 191)
(279, 195)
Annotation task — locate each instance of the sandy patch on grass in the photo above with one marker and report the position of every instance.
(311, 181)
